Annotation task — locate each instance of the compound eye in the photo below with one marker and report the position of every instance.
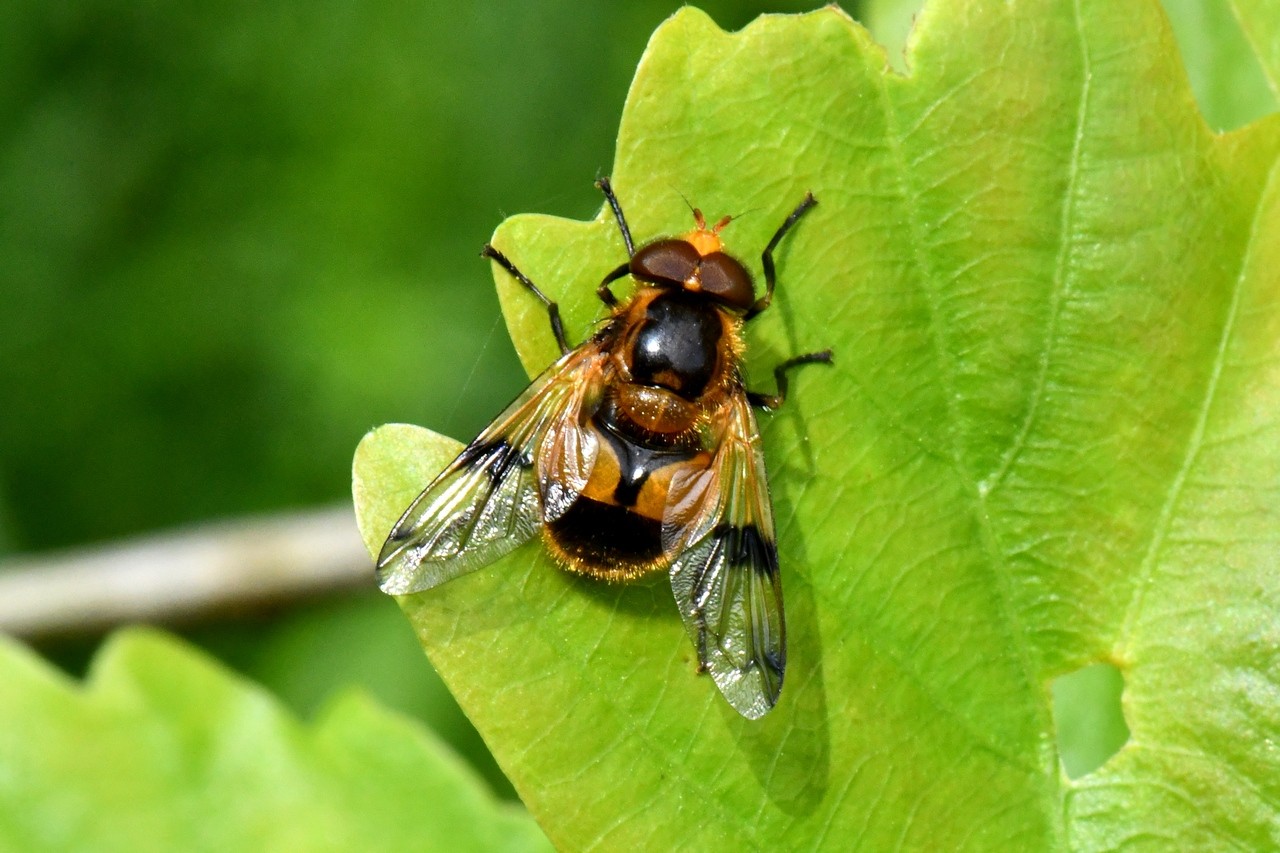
(727, 280)
(665, 262)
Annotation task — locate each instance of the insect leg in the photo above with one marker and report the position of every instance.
(766, 259)
(553, 310)
(773, 401)
(603, 291)
(607, 189)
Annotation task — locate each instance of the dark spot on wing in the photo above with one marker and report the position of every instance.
(745, 546)
(497, 457)
(774, 662)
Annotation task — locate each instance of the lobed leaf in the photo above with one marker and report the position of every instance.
(164, 750)
(1050, 439)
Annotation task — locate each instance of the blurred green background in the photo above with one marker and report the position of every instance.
(236, 236)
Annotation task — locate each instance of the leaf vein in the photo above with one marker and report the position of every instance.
(1061, 287)
(1196, 441)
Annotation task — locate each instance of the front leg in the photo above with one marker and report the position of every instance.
(603, 291)
(553, 310)
(773, 401)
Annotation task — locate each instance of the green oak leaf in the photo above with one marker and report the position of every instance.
(1050, 440)
(1230, 84)
(162, 749)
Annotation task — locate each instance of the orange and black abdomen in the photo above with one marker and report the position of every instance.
(613, 530)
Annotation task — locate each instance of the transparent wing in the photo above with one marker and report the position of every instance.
(489, 500)
(719, 523)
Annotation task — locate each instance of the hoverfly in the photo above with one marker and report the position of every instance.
(634, 452)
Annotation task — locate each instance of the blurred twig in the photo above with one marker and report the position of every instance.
(183, 575)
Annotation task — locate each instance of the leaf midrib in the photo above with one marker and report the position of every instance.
(1195, 441)
(1061, 281)
(982, 490)
(954, 460)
